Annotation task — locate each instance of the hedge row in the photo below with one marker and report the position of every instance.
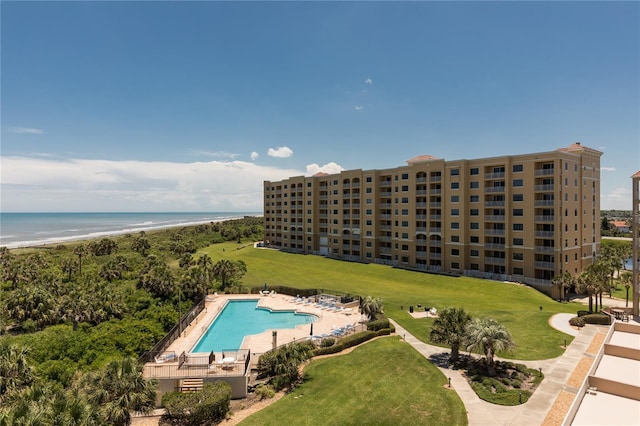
(353, 340)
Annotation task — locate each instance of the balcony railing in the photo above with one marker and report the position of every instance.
(545, 265)
(544, 172)
(543, 188)
(543, 203)
(545, 218)
(494, 189)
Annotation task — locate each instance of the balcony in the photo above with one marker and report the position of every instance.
(494, 231)
(545, 218)
(498, 175)
(435, 178)
(493, 189)
(543, 249)
(435, 217)
(435, 191)
(494, 260)
(421, 255)
(494, 218)
(421, 217)
(545, 234)
(493, 246)
(435, 230)
(421, 229)
(386, 194)
(435, 204)
(544, 172)
(494, 203)
(543, 203)
(545, 265)
(544, 188)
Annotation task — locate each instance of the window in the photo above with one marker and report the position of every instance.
(455, 252)
(405, 212)
(474, 171)
(368, 190)
(405, 224)
(368, 244)
(474, 185)
(455, 239)
(455, 265)
(405, 188)
(518, 212)
(368, 222)
(518, 168)
(369, 180)
(518, 256)
(368, 201)
(518, 182)
(455, 185)
(474, 212)
(475, 225)
(518, 197)
(518, 227)
(518, 241)
(455, 198)
(368, 212)
(405, 176)
(474, 267)
(405, 200)
(405, 236)
(455, 172)
(518, 271)
(474, 198)
(474, 239)
(455, 212)
(455, 225)
(474, 253)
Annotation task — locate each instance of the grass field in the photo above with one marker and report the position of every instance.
(370, 386)
(517, 307)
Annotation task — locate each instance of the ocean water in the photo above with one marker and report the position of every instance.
(32, 229)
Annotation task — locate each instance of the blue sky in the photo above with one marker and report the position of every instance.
(190, 106)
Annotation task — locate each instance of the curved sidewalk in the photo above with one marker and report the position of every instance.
(534, 412)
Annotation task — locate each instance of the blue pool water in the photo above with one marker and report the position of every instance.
(241, 318)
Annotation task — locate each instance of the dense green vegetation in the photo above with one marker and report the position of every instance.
(371, 385)
(69, 312)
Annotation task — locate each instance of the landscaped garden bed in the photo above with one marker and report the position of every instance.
(513, 383)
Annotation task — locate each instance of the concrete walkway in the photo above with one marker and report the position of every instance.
(534, 411)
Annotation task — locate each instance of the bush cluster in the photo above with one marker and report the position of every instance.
(378, 324)
(211, 404)
(601, 319)
(577, 322)
(353, 340)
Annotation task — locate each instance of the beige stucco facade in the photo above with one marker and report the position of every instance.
(523, 218)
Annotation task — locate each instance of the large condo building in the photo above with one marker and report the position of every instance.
(523, 218)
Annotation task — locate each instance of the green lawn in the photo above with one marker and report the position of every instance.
(339, 391)
(515, 306)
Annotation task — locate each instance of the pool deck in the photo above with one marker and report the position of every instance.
(327, 320)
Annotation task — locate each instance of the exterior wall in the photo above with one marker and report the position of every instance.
(525, 218)
(635, 231)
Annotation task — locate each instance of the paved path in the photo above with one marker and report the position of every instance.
(534, 411)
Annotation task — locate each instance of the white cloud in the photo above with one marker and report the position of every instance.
(358, 107)
(608, 169)
(254, 156)
(280, 152)
(616, 199)
(329, 168)
(216, 154)
(368, 81)
(43, 184)
(26, 130)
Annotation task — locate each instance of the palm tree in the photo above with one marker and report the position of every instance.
(449, 328)
(627, 280)
(15, 371)
(228, 272)
(141, 244)
(120, 388)
(489, 336)
(80, 250)
(68, 266)
(371, 307)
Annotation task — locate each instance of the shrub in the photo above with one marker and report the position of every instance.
(577, 322)
(211, 404)
(523, 369)
(601, 319)
(583, 313)
(265, 391)
(378, 324)
(326, 342)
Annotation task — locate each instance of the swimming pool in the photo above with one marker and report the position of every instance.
(241, 318)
